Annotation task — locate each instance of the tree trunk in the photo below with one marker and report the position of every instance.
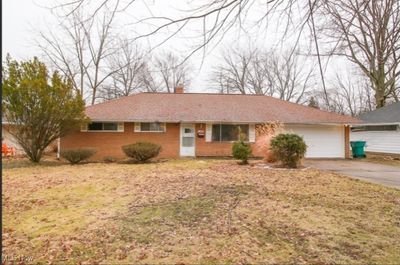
(380, 88)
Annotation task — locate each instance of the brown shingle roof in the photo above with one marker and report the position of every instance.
(203, 107)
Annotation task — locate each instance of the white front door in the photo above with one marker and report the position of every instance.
(187, 139)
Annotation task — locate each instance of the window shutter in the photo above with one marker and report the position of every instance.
(252, 133)
(84, 127)
(120, 126)
(208, 132)
(137, 126)
(164, 126)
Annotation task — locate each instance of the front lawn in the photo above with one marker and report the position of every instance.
(196, 211)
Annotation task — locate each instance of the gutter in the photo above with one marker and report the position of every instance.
(375, 123)
(227, 121)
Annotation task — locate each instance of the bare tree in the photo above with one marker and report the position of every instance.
(217, 18)
(167, 71)
(259, 77)
(367, 32)
(364, 31)
(289, 79)
(267, 73)
(350, 95)
(233, 73)
(81, 47)
(127, 66)
(149, 80)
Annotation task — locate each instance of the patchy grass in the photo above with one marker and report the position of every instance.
(196, 211)
(383, 159)
(21, 162)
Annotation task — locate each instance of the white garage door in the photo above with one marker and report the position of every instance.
(322, 141)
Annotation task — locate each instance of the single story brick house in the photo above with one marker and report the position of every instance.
(205, 124)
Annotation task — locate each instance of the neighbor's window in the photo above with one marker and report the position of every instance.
(229, 132)
(103, 126)
(375, 128)
(152, 127)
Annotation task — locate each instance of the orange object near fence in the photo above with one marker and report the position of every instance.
(7, 150)
(4, 149)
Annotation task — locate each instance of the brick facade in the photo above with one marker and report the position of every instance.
(204, 148)
(109, 143)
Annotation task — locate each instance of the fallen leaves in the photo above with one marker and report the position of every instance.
(196, 211)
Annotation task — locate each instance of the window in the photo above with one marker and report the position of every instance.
(103, 126)
(375, 128)
(187, 141)
(229, 132)
(188, 130)
(152, 127)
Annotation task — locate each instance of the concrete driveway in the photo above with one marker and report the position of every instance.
(376, 173)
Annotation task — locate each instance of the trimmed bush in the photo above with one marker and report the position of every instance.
(288, 148)
(241, 151)
(142, 151)
(74, 156)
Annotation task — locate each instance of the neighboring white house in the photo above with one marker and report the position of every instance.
(381, 130)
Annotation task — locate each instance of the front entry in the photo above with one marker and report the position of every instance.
(187, 139)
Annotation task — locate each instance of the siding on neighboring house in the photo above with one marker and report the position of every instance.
(379, 141)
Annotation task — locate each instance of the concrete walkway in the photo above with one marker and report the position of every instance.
(372, 172)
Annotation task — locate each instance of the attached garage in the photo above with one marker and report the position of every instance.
(323, 141)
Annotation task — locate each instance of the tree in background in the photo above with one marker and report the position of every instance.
(82, 46)
(168, 70)
(349, 93)
(40, 107)
(263, 72)
(367, 33)
(127, 67)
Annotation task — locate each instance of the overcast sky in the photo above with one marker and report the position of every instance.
(22, 19)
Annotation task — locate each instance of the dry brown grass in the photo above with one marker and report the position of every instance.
(390, 160)
(196, 211)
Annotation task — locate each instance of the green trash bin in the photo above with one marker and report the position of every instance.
(357, 147)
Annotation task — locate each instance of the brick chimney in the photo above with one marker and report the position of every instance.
(179, 89)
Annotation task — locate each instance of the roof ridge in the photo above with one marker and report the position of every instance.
(176, 96)
(260, 95)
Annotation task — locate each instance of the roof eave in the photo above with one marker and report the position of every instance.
(220, 121)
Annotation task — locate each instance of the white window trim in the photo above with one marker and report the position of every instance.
(137, 128)
(208, 132)
(251, 132)
(120, 127)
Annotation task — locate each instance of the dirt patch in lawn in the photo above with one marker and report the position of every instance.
(196, 211)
